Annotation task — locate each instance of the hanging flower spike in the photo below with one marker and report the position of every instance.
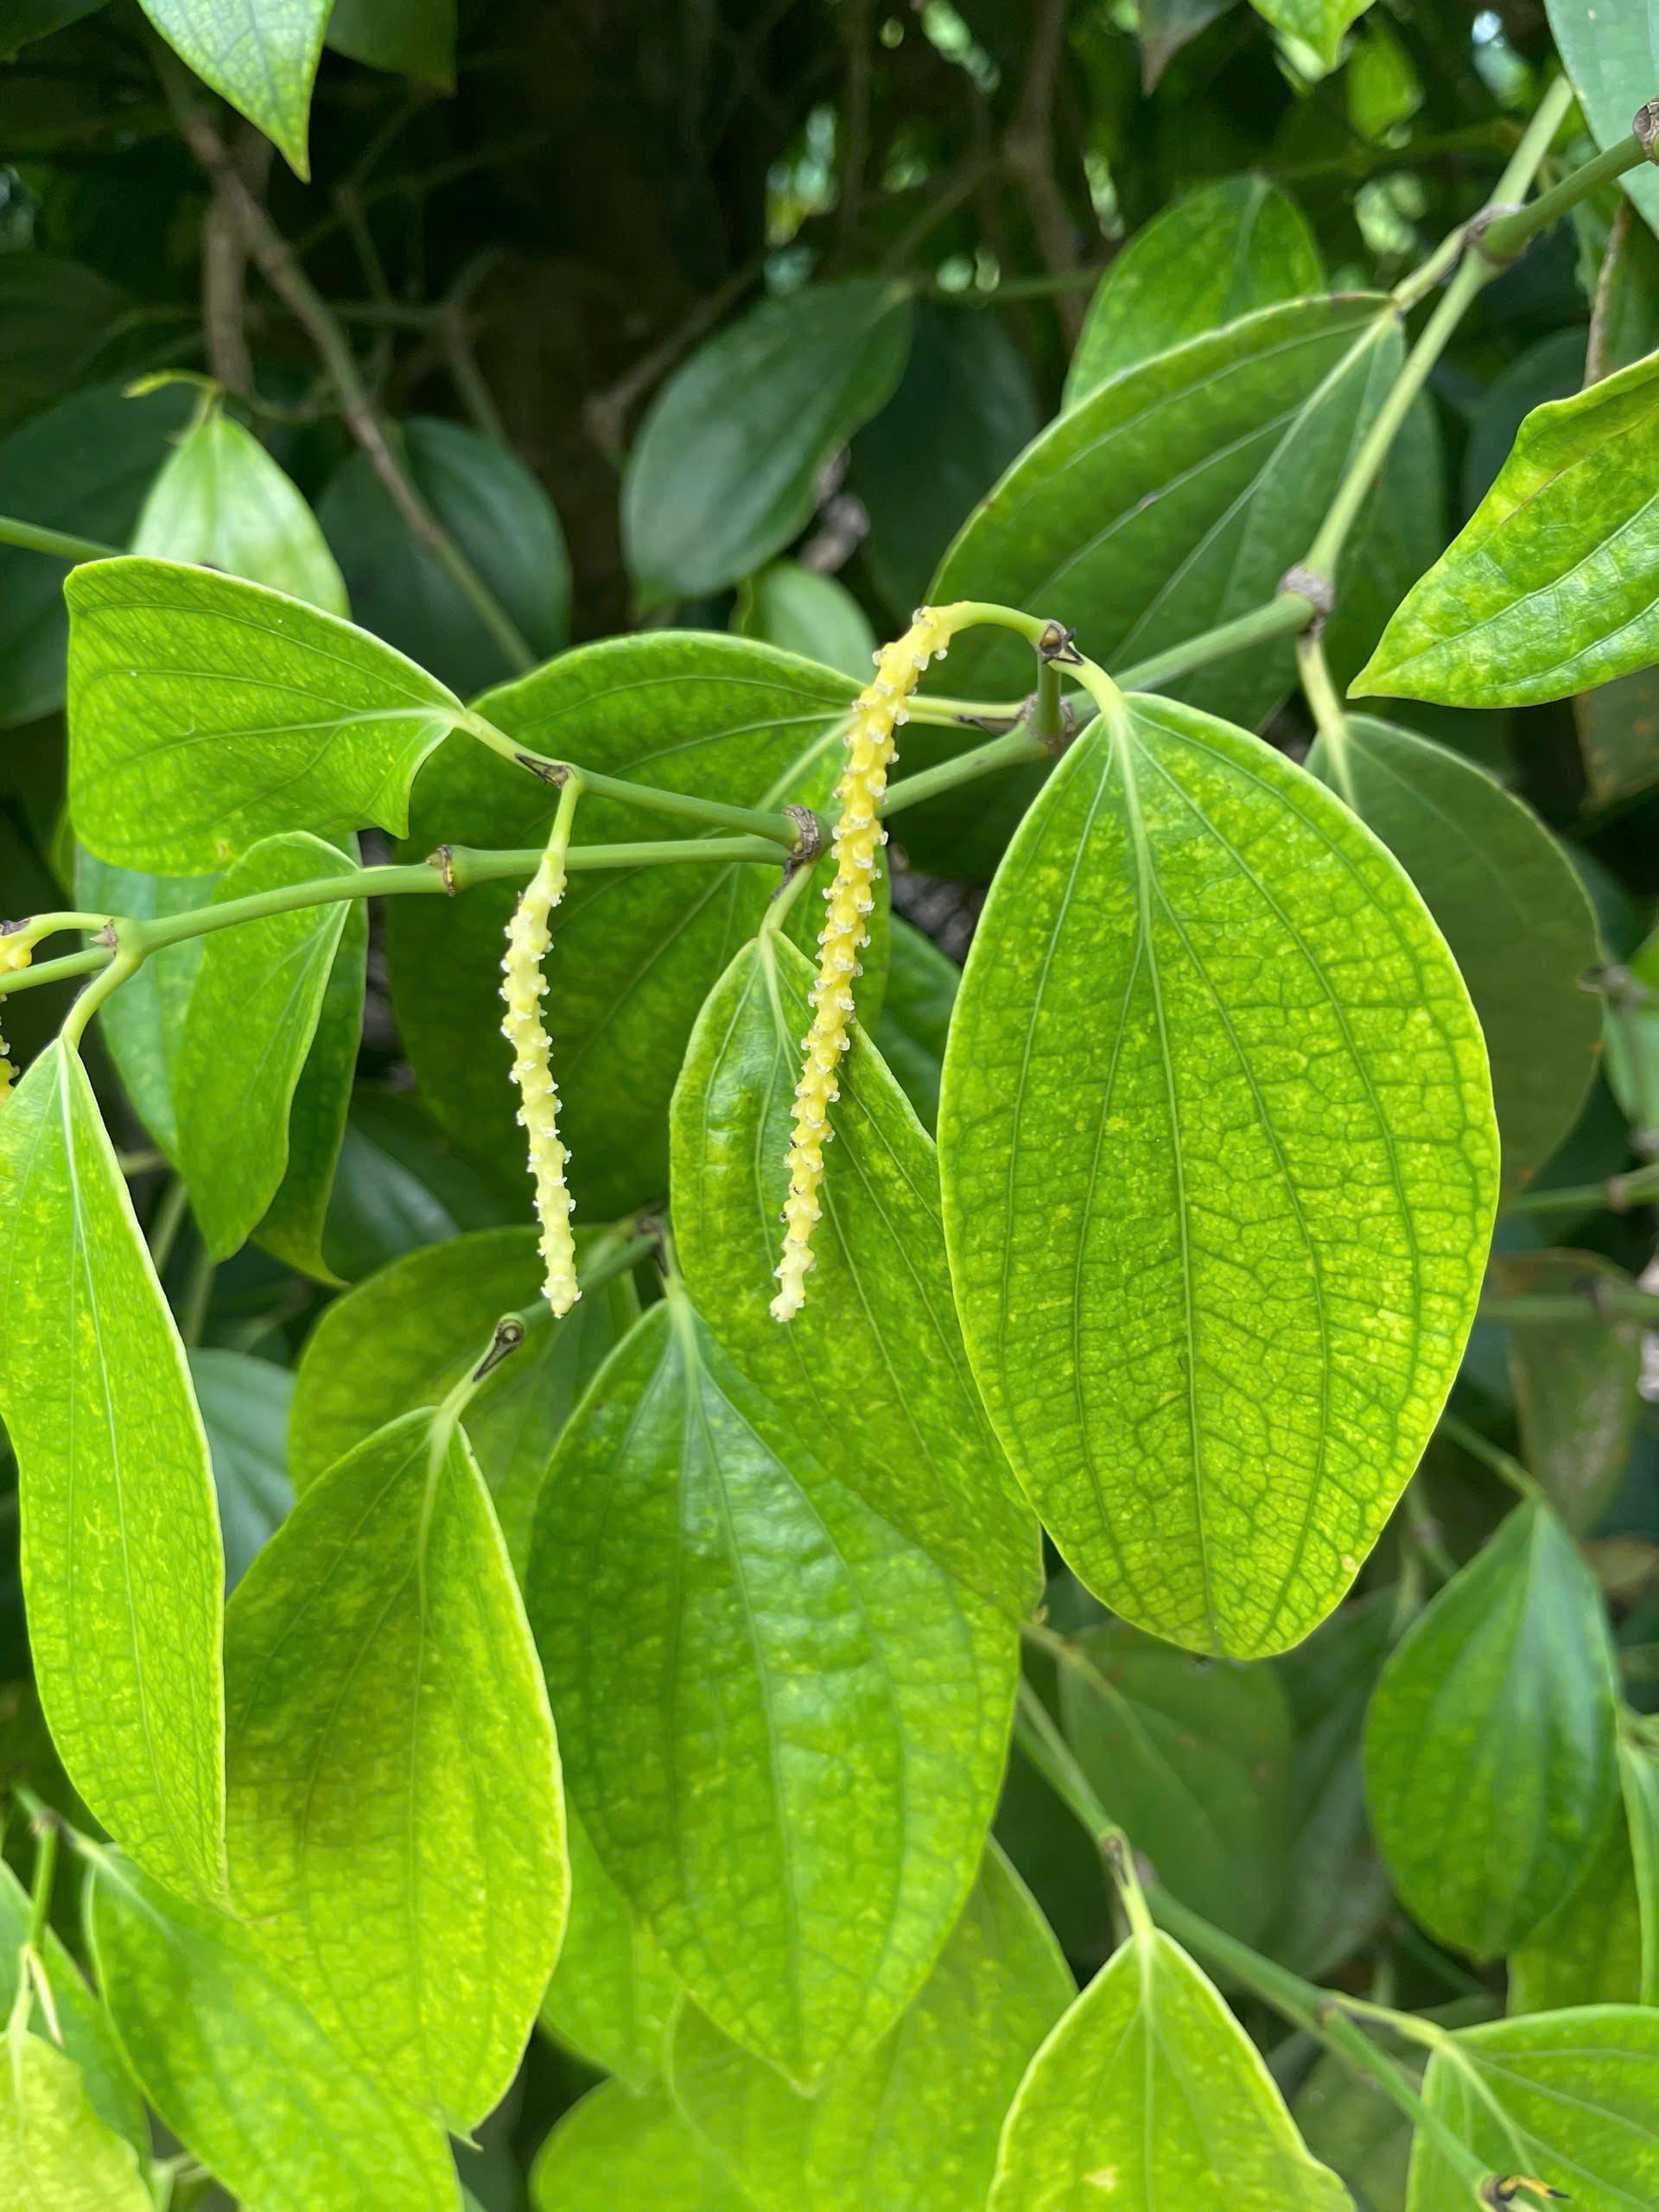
(859, 837)
(524, 988)
(16, 951)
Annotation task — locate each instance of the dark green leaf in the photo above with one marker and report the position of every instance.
(88, 2037)
(33, 19)
(1364, 2138)
(915, 1020)
(1552, 369)
(1207, 258)
(263, 58)
(1639, 1769)
(1510, 906)
(615, 2149)
(1624, 317)
(1589, 1950)
(401, 1185)
(1204, 1022)
(1164, 27)
(56, 2154)
(122, 1566)
(417, 38)
(1495, 1716)
(724, 472)
(804, 612)
(314, 725)
(1401, 531)
(240, 2070)
(914, 2124)
(55, 318)
(784, 1724)
(502, 520)
(612, 1999)
(245, 1405)
(1577, 1385)
(1632, 1028)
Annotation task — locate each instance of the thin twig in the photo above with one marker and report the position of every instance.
(1028, 157)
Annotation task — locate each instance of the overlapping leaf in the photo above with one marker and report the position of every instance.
(612, 1999)
(88, 2037)
(245, 1404)
(56, 2154)
(616, 2148)
(922, 985)
(1578, 1384)
(1589, 1950)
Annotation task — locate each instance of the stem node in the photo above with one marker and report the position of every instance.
(1302, 582)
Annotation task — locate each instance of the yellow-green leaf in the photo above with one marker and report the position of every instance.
(56, 2155)
(612, 1999)
(615, 2149)
(261, 54)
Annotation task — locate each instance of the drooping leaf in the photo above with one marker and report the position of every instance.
(634, 951)
(878, 1339)
(1578, 1384)
(1511, 907)
(1148, 2093)
(222, 502)
(88, 2037)
(84, 467)
(615, 2149)
(1547, 590)
(143, 1022)
(123, 1571)
(1572, 2097)
(911, 2127)
(240, 2070)
(1205, 1024)
(1192, 1760)
(1589, 1950)
(784, 1723)
(1495, 1714)
(56, 2153)
(245, 1407)
(313, 725)
(1320, 24)
(612, 1999)
(1610, 54)
(1625, 311)
(407, 1335)
(793, 608)
(922, 985)
(724, 471)
(262, 58)
(416, 38)
(502, 520)
(1639, 1773)
(252, 1015)
(395, 1819)
(1207, 258)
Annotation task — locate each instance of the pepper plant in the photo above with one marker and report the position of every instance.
(672, 1548)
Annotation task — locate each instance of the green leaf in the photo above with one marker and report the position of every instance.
(634, 952)
(33, 19)
(878, 1340)
(784, 1724)
(142, 1023)
(612, 1999)
(1589, 1950)
(88, 2037)
(314, 725)
(407, 1335)
(1192, 1760)
(84, 467)
(1495, 1714)
(1633, 1031)
(261, 54)
(245, 1408)
(1511, 907)
(1401, 530)
(1149, 2094)
(222, 502)
(58, 2155)
(914, 2123)
(1205, 1024)
(1578, 1385)
(401, 1185)
(1364, 2139)
(254, 1013)
(1320, 24)
(1207, 258)
(1624, 313)
(1611, 54)
(416, 38)
(1382, 86)
(1547, 588)
(1639, 1770)
(1164, 27)
(56, 317)
(793, 608)
(922, 985)
(395, 1822)
(123, 1571)
(497, 514)
(1552, 368)
(615, 2149)
(1572, 2097)
(725, 469)
(240, 2070)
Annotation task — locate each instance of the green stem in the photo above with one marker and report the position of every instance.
(1343, 2035)
(57, 543)
(195, 1304)
(1281, 616)
(1502, 1463)
(45, 1867)
(1328, 717)
(167, 1220)
(1602, 1302)
(1017, 749)
(1505, 235)
(1617, 1195)
(124, 962)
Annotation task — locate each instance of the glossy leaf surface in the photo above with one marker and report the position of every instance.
(1148, 2093)
(1639, 1773)
(1205, 1025)
(614, 2149)
(396, 1821)
(313, 725)
(1496, 1711)
(612, 1999)
(784, 1723)
(123, 1571)
(56, 2154)
(262, 60)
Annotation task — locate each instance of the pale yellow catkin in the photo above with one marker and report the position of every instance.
(523, 987)
(859, 837)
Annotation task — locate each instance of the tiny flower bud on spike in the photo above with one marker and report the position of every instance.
(858, 838)
(528, 939)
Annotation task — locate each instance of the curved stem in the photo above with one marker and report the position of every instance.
(31, 539)
(1018, 749)
(1281, 617)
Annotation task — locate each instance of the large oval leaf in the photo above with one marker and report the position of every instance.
(724, 472)
(1149, 2094)
(1495, 1714)
(313, 725)
(784, 1723)
(395, 1822)
(123, 1571)
(878, 1337)
(912, 2127)
(634, 951)
(1589, 1950)
(915, 1020)
(1219, 1169)
(612, 1999)
(1512, 908)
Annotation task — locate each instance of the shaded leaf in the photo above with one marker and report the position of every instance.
(1205, 1023)
(59, 2156)
(417, 38)
(1402, 529)
(1589, 1950)
(1633, 1032)
(245, 1404)
(55, 317)
(922, 985)
(88, 2037)
(1364, 2138)
(1609, 54)
(612, 1999)
(401, 1185)
(1495, 1715)
(1577, 1385)
(1639, 1771)
(263, 59)
(1320, 24)
(791, 607)
(614, 2149)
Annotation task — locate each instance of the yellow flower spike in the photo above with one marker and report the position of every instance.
(522, 988)
(877, 711)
